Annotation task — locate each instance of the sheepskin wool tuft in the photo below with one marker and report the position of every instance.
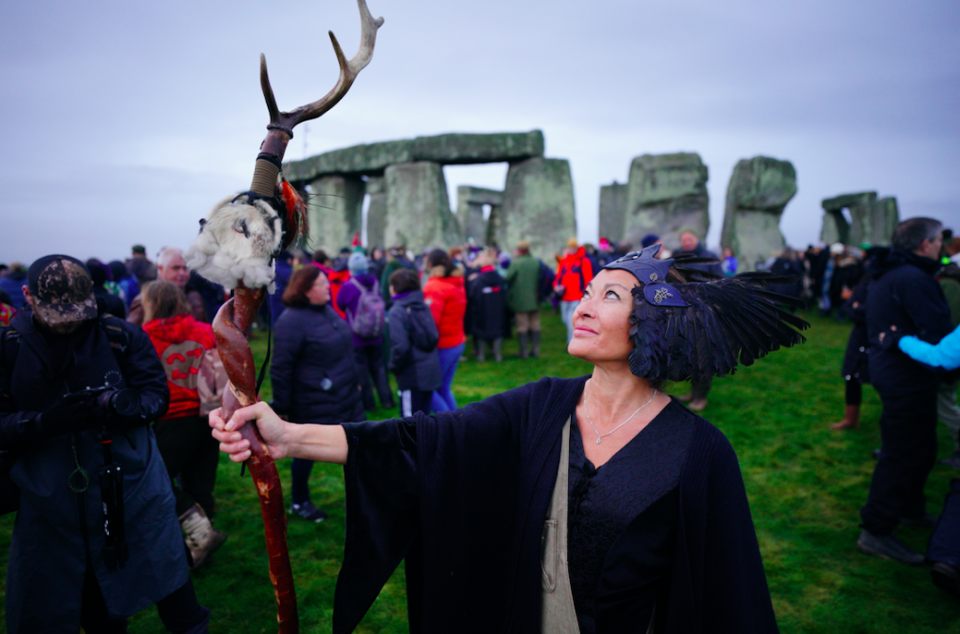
(236, 244)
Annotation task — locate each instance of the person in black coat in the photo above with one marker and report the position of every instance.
(313, 371)
(905, 298)
(477, 500)
(486, 292)
(65, 570)
(413, 344)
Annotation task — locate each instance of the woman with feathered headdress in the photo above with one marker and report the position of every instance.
(596, 504)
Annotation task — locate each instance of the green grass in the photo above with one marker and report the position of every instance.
(806, 485)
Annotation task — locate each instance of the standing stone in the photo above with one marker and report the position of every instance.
(872, 221)
(470, 202)
(335, 211)
(759, 190)
(418, 207)
(665, 193)
(613, 210)
(538, 206)
(377, 212)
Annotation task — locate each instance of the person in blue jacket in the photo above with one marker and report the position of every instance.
(79, 391)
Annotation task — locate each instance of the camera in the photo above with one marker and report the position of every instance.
(110, 402)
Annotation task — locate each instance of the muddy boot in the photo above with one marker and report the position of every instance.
(481, 348)
(851, 419)
(535, 344)
(522, 339)
(497, 347)
(201, 537)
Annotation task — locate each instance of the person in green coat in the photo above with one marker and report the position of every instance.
(522, 285)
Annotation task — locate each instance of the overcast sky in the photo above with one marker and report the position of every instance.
(125, 122)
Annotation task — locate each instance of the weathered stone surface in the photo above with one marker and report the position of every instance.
(759, 190)
(445, 149)
(470, 202)
(665, 193)
(464, 149)
(371, 158)
(872, 221)
(538, 206)
(418, 207)
(335, 211)
(377, 211)
(613, 210)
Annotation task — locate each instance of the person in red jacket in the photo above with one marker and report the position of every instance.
(573, 275)
(446, 295)
(183, 435)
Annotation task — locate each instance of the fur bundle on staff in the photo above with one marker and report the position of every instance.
(690, 325)
(238, 243)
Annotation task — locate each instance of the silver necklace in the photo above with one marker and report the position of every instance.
(600, 436)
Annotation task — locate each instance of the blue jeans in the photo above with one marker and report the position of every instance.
(443, 400)
(566, 313)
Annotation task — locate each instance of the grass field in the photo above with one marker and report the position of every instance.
(806, 485)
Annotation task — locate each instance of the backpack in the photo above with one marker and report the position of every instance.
(367, 320)
(423, 330)
(545, 282)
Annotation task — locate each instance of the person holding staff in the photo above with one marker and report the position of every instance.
(595, 504)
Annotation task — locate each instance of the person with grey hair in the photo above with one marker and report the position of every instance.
(172, 267)
(905, 297)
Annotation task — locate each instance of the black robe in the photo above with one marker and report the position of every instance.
(465, 493)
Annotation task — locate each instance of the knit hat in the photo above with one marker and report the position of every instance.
(63, 289)
(358, 263)
(649, 239)
(572, 243)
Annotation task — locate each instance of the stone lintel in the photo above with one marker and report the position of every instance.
(467, 194)
(445, 149)
(846, 201)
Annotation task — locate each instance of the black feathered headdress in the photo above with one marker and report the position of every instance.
(690, 325)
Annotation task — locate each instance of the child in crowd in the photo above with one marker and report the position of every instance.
(413, 343)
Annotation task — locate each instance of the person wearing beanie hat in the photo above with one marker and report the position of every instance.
(362, 302)
(523, 288)
(80, 380)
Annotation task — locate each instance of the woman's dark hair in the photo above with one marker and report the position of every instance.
(117, 269)
(320, 257)
(163, 300)
(910, 234)
(439, 257)
(404, 280)
(300, 284)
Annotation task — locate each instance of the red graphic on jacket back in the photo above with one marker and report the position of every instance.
(181, 362)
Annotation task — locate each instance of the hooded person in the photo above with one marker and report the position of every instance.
(571, 546)
(96, 537)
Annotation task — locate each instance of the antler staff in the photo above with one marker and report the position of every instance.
(236, 247)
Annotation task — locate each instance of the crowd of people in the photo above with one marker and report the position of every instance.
(93, 353)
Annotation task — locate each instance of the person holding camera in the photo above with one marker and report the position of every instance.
(96, 538)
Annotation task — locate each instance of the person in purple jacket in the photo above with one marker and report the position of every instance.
(358, 299)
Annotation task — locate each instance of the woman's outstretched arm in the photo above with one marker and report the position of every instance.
(320, 443)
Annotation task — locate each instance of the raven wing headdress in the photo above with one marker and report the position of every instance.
(693, 330)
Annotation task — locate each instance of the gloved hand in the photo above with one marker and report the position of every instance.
(70, 414)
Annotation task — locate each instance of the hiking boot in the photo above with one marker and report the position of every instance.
(698, 404)
(927, 521)
(535, 344)
(953, 461)
(497, 346)
(889, 547)
(481, 348)
(851, 419)
(946, 577)
(201, 537)
(308, 512)
(522, 339)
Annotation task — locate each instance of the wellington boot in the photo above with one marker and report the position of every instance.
(523, 339)
(497, 346)
(535, 344)
(201, 537)
(851, 419)
(481, 347)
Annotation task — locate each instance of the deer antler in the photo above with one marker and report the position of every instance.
(282, 123)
